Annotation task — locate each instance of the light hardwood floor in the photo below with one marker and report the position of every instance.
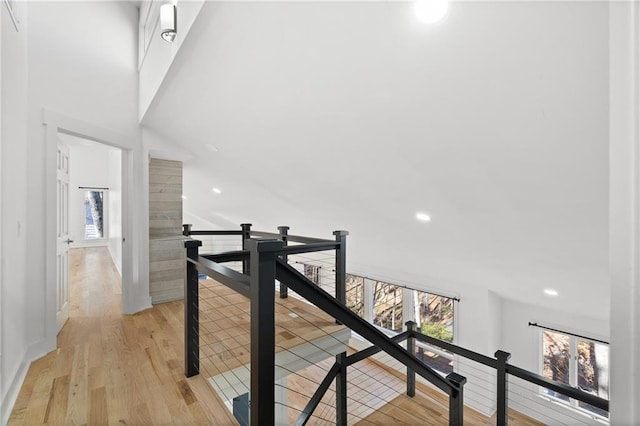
(111, 368)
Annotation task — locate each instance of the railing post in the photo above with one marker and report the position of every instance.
(341, 266)
(191, 313)
(246, 234)
(411, 348)
(186, 229)
(341, 390)
(502, 416)
(341, 295)
(262, 304)
(284, 232)
(456, 400)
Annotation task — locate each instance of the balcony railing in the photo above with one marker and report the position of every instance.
(264, 259)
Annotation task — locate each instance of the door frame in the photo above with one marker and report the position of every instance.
(135, 285)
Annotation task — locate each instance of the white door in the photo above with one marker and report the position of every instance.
(62, 277)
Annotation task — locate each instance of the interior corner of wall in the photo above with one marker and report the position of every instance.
(33, 352)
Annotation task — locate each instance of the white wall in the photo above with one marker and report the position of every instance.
(524, 344)
(115, 207)
(15, 302)
(77, 59)
(160, 55)
(97, 165)
(87, 168)
(77, 71)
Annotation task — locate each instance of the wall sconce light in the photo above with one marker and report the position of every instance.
(168, 22)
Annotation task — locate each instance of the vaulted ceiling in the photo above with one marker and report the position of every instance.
(355, 116)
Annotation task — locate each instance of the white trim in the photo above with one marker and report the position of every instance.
(33, 352)
(2, 402)
(101, 242)
(624, 211)
(12, 13)
(135, 283)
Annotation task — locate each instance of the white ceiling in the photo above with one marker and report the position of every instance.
(355, 116)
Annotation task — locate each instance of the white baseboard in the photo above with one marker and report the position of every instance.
(89, 243)
(144, 304)
(33, 352)
(115, 262)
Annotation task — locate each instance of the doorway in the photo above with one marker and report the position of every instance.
(135, 285)
(89, 207)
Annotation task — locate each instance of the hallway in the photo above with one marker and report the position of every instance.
(111, 368)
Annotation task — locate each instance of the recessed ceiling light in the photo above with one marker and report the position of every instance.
(423, 217)
(184, 197)
(550, 292)
(216, 190)
(431, 11)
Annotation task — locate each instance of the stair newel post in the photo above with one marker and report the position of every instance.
(411, 348)
(341, 265)
(263, 255)
(341, 295)
(186, 229)
(502, 415)
(246, 234)
(284, 236)
(456, 399)
(191, 312)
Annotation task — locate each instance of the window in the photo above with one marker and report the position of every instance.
(355, 294)
(312, 272)
(434, 315)
(387, 306)
(93, 215)
(577, 362)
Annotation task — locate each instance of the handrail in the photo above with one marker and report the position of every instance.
(227, 276)
(264, 234)
(228, 256)
(307, 240)
(314, 294)
(567, 390)
(474, 356)
(308, 248)
(523, 374)
(294, 238)
(219, 232)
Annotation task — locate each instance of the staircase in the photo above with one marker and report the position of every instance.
(276, 346)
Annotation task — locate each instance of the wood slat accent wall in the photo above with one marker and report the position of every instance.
(166, 248)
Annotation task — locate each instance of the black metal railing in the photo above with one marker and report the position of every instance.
(264, 258)
(264, 261)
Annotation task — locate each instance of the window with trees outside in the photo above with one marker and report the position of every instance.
(390, 306)
(93, 215)
(387, 306)
(577, 362)
(355, 294)
(312, 272)
(434, 316)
